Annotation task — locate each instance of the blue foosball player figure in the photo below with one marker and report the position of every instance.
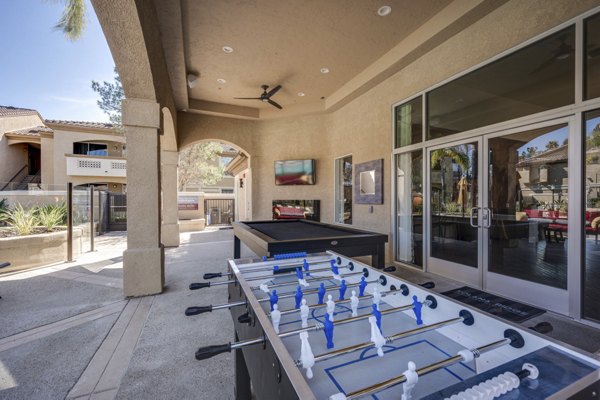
(299, 274)
(361, 287)
(321, 293)
(305, 266)
(417, 306)
(273, 298)
(342, 289)
(377, 314)
(298, 296)
(328, 329)
(334, 268)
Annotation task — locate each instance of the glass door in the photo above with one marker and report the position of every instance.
(526, 217)
(454, 211)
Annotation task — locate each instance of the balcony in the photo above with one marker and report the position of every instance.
(82, 165)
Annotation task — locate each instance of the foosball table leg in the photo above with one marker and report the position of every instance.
(242, 378)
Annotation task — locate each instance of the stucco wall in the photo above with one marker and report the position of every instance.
(13, 158)
(63, 144)
(363, 127)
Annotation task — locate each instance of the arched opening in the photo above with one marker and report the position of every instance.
(221, 171)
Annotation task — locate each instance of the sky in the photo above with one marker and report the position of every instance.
(41, 69)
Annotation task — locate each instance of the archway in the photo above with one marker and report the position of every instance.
(236, 184)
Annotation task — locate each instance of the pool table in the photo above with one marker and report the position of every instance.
(267, 238)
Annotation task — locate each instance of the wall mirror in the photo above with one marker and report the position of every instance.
(368, 182)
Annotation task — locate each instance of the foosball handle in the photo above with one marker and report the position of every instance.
(428, 285)
(204, 353)
(212, 275)
(197, 310)
(543, 327)
(199, 285)
(391, 268)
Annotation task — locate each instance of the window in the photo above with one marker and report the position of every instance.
(536, 78)
(409, 122)
(343, 190)
(591, 272)
(409, 207)
(592, 57)
(90, 149)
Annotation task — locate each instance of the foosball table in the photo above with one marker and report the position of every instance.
(324, 326)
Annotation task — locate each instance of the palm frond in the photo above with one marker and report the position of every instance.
(72, 21)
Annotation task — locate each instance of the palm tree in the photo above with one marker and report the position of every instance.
(72, 22)
(459, 156)
(552, 144)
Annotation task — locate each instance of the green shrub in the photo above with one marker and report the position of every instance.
(50, 216)
(3, 209)
(21, 220)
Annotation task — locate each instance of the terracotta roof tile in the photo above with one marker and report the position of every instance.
(81, 124)
(9, 111)
(33, 131)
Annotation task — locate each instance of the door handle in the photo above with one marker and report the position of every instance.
(487, 217)
(471, 217)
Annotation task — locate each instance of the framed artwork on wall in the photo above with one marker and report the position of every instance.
(368, 182)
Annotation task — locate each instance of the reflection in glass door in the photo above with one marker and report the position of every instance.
(454, 208)
(527, 217)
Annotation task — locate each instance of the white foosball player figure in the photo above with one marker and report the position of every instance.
(411, 380)
(354, 304)
(304, 313)
(376, 336)
(330, 307)
(275, 317)
(376, 297)
(306, 355)
(264, 288)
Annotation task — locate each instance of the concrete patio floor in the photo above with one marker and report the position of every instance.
(67, 332)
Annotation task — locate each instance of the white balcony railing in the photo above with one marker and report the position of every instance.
(80, 165)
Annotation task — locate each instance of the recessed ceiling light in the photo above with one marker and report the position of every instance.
(301, 94)
(324, 70)
(221, 81)
(228, 49)
(384, 10)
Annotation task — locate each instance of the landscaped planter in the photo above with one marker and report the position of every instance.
(35, 250)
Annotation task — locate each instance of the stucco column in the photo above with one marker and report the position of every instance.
(143, 261)
(170, 218)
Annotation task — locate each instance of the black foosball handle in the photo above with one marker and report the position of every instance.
(199, 285)
(428, 285)
(204, 353)
(197, 310)
(212, 275)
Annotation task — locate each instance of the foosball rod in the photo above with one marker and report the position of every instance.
(513, 338)
(317, 279)
(206, 352)
(291, 265)
(403, 289)
(464, 317)
(203, 309)
(195, 310)
(212, 275)
(286, 295)
(200, 285)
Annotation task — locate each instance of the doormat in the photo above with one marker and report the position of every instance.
(499, 306)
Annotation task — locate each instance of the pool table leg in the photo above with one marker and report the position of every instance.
(378, 259)
(236, 247)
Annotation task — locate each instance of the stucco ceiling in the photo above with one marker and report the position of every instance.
(284, 42)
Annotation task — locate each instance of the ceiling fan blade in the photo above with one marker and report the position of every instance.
(271, 102)
(247, 98)
(273, 91)
(543, 65)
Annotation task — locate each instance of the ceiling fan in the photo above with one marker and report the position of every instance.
(562, 52)
(265, 96)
